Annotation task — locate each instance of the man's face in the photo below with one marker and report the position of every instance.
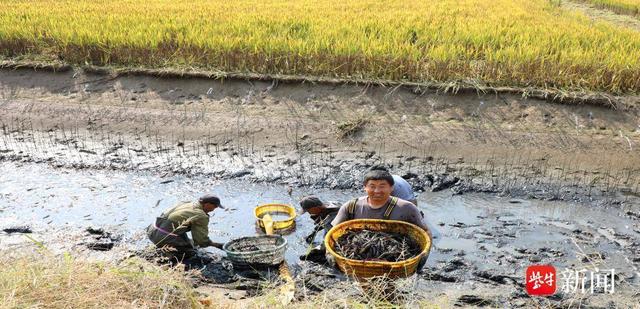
(208, 207)
(378, 190)
(314, 211)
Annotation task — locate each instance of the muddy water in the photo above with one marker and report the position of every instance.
(278, 216)
(494, 232)
(46, 198)
(487, 232)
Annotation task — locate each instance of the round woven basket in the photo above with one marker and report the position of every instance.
(366, 269)
(287, 224)
(256, 251)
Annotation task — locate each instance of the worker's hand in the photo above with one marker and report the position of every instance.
(314, 253)
(217, 245)
(309, 239)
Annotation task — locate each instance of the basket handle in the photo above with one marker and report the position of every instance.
(268, 224)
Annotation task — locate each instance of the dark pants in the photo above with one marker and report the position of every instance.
(176, 246)
(316, 255)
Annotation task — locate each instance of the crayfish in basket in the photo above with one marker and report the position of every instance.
(370, 245)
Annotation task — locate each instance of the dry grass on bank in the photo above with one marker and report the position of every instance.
(46, 281)
(64, 282)
(386, 294)
(351, 127)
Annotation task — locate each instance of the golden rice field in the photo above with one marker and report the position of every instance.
(527, 43)
(631, 7)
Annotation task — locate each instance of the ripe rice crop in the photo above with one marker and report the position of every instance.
(525, 43)
(630, 7)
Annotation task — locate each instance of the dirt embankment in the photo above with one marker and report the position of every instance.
(321, 135)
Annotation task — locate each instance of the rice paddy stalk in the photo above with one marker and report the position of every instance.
(540, 46)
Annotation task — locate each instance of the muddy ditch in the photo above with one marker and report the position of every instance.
(88, 161)
(487, 241)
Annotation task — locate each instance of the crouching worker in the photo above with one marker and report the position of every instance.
(170, 229)
(379, 204)
(322, 214)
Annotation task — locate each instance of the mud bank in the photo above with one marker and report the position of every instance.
(295, 134)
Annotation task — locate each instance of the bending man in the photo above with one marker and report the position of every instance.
(171, 227)
(322, 214)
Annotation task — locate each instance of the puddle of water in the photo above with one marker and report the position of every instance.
(278, 216)
(47, 198)
(457, 244)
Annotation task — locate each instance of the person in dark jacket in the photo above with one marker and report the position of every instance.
(169, 232)
(322, 214)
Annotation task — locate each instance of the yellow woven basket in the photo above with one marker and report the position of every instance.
(366, 269)
(261, 210)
